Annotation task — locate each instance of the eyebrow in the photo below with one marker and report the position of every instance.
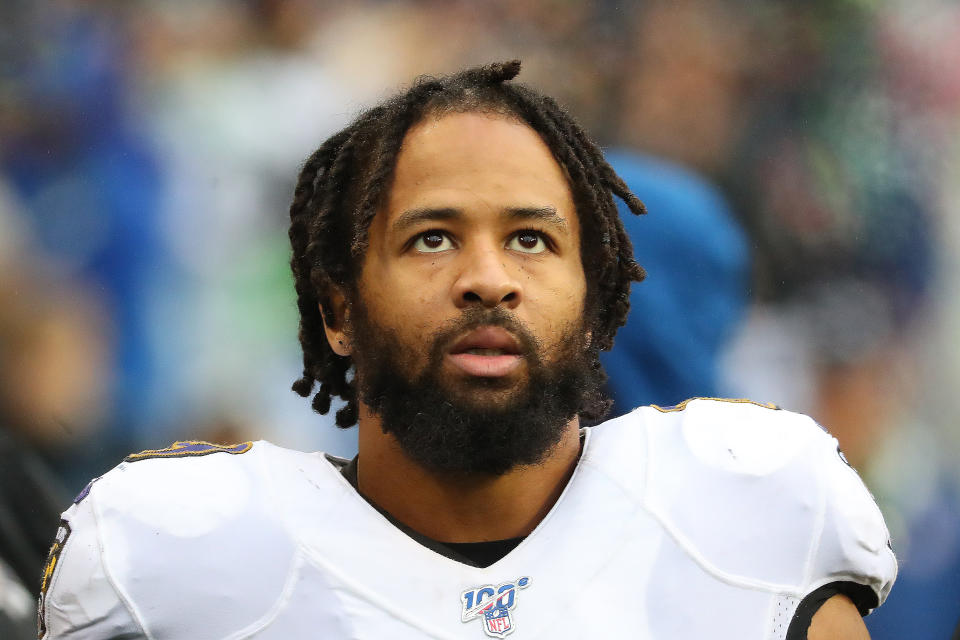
(410, 218)
(547, 215)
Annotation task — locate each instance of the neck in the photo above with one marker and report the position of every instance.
(461, 508)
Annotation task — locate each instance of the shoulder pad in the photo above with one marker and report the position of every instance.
(761, 497)
(78, 598)
(181, 489)
(738, 436)
(177, 523)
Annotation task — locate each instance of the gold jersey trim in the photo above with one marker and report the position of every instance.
(190, 448)
(683, 405)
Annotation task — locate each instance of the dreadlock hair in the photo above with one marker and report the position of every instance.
(344, 182)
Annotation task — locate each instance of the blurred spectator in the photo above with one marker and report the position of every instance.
(84, 173)
(51, 382)
(232, 118)
(694, 297)
(55, 352)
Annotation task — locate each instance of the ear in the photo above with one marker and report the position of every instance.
(336, 322)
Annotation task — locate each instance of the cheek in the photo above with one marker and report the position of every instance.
(571, 286)
(559, 306)
(393, 289)
(404, 310)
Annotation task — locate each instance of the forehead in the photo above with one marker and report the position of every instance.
(477, 161)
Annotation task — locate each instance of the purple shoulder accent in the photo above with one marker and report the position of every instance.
(188, 448)
(84, 492)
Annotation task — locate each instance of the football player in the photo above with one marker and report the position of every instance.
(459, 264)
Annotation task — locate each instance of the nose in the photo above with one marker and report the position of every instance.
(486, 279)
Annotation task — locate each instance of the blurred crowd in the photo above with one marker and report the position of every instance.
(148, 151)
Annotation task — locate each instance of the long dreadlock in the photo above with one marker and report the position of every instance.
(344, 182)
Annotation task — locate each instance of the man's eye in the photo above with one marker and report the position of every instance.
(527, 242)
(432, 242)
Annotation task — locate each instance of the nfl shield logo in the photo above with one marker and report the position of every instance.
(492, 604)
(496, 621)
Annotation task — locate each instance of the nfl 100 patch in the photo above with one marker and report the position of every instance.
(492, 604)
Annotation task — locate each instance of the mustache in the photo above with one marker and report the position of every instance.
(475, 317)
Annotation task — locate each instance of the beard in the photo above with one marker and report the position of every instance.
(473, 424)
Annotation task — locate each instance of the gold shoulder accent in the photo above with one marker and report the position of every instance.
(187, 448)
(683, 405)
(49, 567)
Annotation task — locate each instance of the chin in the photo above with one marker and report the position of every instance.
(479, 392)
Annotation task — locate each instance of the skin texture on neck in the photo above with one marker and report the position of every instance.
(461, 508)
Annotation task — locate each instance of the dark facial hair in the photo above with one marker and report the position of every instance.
(440, 425)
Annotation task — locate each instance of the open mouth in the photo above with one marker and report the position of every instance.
(486, 352)
(477, 351)
(487, 341)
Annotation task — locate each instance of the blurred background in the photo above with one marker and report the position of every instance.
(801, 163)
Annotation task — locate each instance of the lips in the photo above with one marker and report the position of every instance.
(486, 352)
(487, 341)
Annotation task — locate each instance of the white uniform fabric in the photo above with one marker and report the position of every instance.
(708, 520)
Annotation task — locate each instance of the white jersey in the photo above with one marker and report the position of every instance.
(707, 520)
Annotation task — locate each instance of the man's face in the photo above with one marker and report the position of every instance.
(471, 296)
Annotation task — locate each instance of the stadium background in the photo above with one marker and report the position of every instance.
(148, 152)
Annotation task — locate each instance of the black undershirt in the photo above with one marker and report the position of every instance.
(484, 554)
(474, 554)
